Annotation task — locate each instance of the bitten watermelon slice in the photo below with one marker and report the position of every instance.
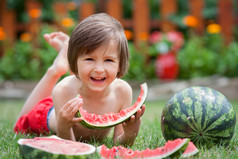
(95, 121)
(54, 147)
(190, 150)
(172, 149)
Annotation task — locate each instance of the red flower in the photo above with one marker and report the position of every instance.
(173, 40)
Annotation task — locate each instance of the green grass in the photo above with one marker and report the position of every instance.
(150, 135)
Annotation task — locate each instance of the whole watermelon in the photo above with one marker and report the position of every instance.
(200, 113)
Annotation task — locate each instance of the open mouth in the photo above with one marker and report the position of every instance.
(98, 79)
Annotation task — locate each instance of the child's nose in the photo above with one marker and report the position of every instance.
(99, 68)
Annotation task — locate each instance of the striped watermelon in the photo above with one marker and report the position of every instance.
(200, 113)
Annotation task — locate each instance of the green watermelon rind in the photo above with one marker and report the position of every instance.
(177, 153)
(84, 123)
(179, 122)
(191, 151)
(28, 152)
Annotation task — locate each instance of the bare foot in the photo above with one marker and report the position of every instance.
(56, 39)
(59, 41)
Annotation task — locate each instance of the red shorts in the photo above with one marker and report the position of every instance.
(36, 120)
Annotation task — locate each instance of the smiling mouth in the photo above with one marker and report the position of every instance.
(96, 79)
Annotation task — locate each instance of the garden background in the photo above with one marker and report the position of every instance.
(173, 44)
(207, 45)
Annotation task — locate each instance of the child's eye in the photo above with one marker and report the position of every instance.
(89, 59)
(109, 60)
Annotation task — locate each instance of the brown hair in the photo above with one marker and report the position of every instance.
(93, 32)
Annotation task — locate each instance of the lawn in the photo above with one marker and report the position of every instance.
(150, 135)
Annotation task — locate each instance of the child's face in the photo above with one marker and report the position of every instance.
(98, 69)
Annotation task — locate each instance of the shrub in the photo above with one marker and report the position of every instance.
(196, 60)
(26, 60)
(207, 55)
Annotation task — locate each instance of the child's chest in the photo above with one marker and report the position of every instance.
(108, 104)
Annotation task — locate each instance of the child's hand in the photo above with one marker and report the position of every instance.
(67, 118)
(132, 125)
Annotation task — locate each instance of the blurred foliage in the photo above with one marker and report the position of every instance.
(207, 55)
(200, 56)
(228, 65)
(210, 13)
(19, 7)
(197, 59)
(138, 63)
(47, 10)
(19, 62)
(154, 9)
(27, 61)
(210, 10)
(127, 9)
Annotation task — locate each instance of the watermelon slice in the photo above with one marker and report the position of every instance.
(172, 149)
(95, 121)
(190, 150)
(54, 147)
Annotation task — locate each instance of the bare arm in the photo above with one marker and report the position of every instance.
(66, 105)
(126, 132)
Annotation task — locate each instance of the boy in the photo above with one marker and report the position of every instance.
(97, 57)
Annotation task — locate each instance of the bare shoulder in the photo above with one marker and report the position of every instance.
(122, 86)
(65, 89)
(123, 91)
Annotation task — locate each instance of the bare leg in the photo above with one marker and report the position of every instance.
(59, 41)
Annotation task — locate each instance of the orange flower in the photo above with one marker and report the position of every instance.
(2, 34)
(213, 28)
(25, 37)
(190, 21)
(34, 13)
(143, 36)
(67, 22)
(71, 5)
(128, 34)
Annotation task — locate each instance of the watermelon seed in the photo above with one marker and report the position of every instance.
(200, 134)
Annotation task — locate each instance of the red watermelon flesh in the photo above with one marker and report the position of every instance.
(171, 148)
(97, 121)
(54, 145)
(190, 150)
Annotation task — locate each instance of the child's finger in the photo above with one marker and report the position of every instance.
(69, 110)
(76, 108)
(138, 114)
(142, 110)
(66, 105)
(132, 119)
(76, 120)
(72, 104)
(124, 124)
